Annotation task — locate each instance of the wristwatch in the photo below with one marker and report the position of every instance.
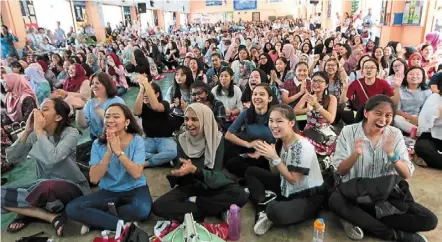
(276, 162)
(393, 158)
(122, 153)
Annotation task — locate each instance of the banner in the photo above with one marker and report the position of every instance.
(413, 13)
(210, 3)
(127, 16)
(241, 5)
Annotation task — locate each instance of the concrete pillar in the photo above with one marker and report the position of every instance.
(12, 18)
(178, 20)
(160, 15)
(95, 18)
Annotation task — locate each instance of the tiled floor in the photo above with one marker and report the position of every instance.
(425, 186)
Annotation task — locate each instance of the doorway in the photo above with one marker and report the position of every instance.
(256, 16)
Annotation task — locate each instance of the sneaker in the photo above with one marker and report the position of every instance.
(247, 191)
(263, 224)
(84, 229)
(352, 231)
(225, 216)
(410, 237)
(269, 196)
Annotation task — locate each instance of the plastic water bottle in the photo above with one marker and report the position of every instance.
(234, 221)
(319, 230)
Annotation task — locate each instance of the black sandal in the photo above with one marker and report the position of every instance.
(20, 219)
(59, 222)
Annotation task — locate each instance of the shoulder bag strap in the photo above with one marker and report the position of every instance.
(363, 89)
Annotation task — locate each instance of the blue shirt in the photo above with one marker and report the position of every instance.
(411, 103)
(95, 122)
(252, 131)
(117, 179)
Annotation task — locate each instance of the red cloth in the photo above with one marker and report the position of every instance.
(73, 84)
(43, 65)
(356, 94)
(111, 70)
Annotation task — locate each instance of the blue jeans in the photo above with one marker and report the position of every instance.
(92, 209)
(160, 150)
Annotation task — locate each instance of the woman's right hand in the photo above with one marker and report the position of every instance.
(358, 148)
(30, 123)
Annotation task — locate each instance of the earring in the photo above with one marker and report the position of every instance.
(125, 127)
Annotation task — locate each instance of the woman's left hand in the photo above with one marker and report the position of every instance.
(114, 142)
(312, 100)
(39, 121)
(389, 143)
(267, 150)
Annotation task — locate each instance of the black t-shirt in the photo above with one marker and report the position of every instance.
(156, 124)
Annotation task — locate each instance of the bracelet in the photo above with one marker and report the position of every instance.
(394, 159)
(320, 108)
(122, 153)
(276, 162)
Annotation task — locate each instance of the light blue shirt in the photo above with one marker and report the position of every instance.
(412, 103)
(117, 179)
(95, 122)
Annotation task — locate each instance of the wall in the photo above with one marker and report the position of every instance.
(266, 9)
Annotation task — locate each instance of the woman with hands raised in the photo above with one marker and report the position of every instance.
(200, 186)
(293, 192)
(320, 108)
(372, 149)
(50, 141)
(117, 163)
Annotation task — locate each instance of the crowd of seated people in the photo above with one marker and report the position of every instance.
(266, 104)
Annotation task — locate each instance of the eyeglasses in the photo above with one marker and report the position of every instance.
(370, 68)
(194, 94)
(318, 81)
(396, 66)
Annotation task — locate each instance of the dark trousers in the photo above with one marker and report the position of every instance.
(417, 218)
(237, 162)
(427, 148)
(92, 209)
(282, 211)
(174, 204)
(171, 63)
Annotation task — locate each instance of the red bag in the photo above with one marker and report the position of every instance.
(221, 230)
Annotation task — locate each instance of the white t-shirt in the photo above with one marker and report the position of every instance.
(301, 157)
(229, 102)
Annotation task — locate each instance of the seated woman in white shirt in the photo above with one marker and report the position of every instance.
(228, 93)
(46, 45)
(375, 149)
(429, 145)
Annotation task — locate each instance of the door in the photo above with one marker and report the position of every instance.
(256, 16)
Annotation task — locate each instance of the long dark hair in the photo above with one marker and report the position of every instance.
(287, 68)
(157, 89)
(310, 48)
(422, 85)
(391, 72)
(143, 66)
(189, 80)
(61, 108)
(325, 95)
(251, 112)
(384, 63)
(106, 80)
(231, 89)
(132, 128)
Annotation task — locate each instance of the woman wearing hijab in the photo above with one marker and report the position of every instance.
(289, 52)
(433, 39)
(200, 151)
(49, 74)
(39, 84)
(352, 62)
(266, 64)
(20, 100)
(92, 62)
(115, 69)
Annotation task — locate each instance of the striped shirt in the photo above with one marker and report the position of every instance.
(374, 161)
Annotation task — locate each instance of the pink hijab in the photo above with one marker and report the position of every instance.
(412, 56)
(18, 90)
(434, 39)
(289, 52)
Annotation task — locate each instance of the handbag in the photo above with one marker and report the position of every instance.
(191, 231)
(17, 129)
(319, 135)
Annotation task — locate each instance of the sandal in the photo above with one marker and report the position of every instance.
(24, 221)
(59, 222)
